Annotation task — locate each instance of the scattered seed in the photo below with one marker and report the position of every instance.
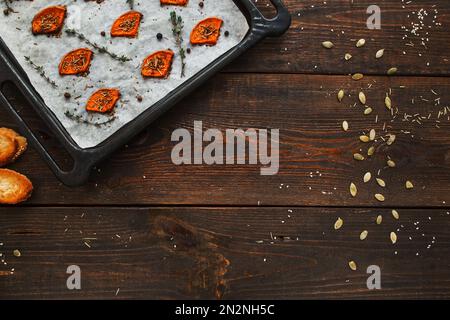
(347, 56)
(327, 44)
(353, 190)
(379, 219)
(341, 94)
(381, 182)
(364, 138)
(17, 253)
(379, 197)
(367, 177)
(352, 265)
(372, 134)
(345, 126)
(409, 185)
(379, 53)
(358, 156)
(360, 43)
(363, 235)
(362, 97)
(391, 139)
(391, 163)
(338, 224)
(388, 102)
(371, 151)
(395, 214)
(357, 76)
(368, 111)
(393, 237)
(392, 71)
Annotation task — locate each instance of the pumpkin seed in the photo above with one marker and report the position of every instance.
(379, 197)
(353, 190)
(347, 56)
(364, 138)
(362, 97)
(393, 237)
(372, 134)
(409, 185)
(358, 156)
(379, 53)
(352, 265)
(360, 43)
(371, 151)
(341, 94)
(367, 177)
(392, 71)
(363, 235)
(17, 253)
(379, 219)
(357, 76)
(391, 139)
(368, 111)
(345, 126)
(381, 182)
(395, 214)
(338, 224)
(327, 44)
(388, 102)
(391, 163)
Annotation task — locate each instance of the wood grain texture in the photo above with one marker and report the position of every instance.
(344, 22)
(222, 253)
(316, 164)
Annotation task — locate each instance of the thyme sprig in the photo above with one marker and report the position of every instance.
(41, 71)
(8, 9)
(177, 30)
(82, 120)
(131, 4)
(99, 48)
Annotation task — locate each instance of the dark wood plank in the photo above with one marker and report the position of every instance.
(226, 253)
(343, 22)
(315, 154)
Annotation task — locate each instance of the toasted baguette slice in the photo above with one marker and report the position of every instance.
(8, 148)
(21, 142)
(14, 187)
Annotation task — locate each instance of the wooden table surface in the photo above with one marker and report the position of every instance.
(145, 228)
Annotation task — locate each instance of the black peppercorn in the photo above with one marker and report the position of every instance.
(188, 50)
(103, 33)
(139, 98)
(67, 95)
(227, 33)
(201, 4)
(159, 36)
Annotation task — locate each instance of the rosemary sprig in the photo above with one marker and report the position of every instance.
(131, 4)
(41, 71)
(82, 120)
(177, 30)
(99, 48)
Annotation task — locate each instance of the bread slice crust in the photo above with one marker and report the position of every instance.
(14, 187)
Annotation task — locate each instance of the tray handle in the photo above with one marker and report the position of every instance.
(276, 26)
(77, 176)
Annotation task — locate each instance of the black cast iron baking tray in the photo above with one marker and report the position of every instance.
(86, 159)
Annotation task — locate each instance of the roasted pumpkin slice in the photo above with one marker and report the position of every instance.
(158, 64)
(175, 2)
(103, 101)
(76, 62)
(127, 25)
(207, 31)
(49, 21)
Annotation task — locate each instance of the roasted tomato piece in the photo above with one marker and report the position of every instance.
(207, 31)
(175, 2)
(127, 25)
(103, 101)
(158, 64)
(76, 62)
(49, 21)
